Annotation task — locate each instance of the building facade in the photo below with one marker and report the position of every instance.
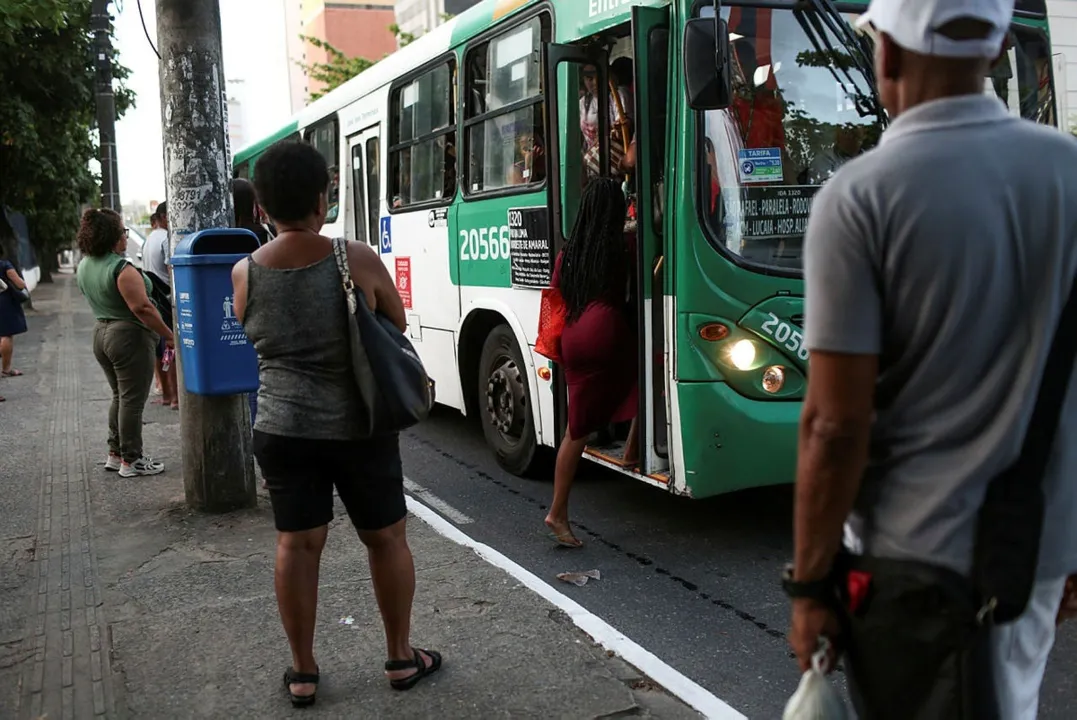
(357, 28)
(298, 84)
(416, 17)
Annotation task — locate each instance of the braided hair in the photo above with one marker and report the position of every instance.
(594, 263)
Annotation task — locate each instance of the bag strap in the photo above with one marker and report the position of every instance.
(340, 252)
(1054, 385)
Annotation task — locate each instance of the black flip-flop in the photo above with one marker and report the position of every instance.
(417, 662)
(292, 677)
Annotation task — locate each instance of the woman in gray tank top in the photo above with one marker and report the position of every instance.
(289, 297)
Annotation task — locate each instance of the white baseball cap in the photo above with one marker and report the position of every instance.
(914, 25)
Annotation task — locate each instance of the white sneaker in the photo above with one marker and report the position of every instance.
(113, 462)
(140, 467)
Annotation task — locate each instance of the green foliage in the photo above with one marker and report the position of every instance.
(336, 70)
(16, 15)
(338, 67)
(47, 115)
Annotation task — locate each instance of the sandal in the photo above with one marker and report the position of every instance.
(417, 662)
(12, 373)
(291, 677)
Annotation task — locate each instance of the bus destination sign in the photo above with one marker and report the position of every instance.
(774, 212)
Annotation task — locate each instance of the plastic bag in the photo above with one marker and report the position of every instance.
(816, 698)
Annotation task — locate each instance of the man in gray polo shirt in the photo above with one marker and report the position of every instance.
(936, 269)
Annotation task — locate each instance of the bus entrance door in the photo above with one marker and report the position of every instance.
(650, 40)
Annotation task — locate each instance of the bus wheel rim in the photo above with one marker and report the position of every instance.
(505, 399)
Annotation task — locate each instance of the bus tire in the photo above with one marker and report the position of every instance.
(505, 402)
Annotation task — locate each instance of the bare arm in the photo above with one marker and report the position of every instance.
(133, 289)
(239, 287)
(14, 280)
(368, 269)
(835, 429)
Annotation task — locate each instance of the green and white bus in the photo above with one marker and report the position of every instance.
(461, 159)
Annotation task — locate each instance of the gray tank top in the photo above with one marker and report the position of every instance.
(297, 320)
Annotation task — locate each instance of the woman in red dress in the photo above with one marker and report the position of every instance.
(598, 345)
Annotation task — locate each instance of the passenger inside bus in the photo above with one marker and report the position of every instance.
(530, 163)
(620, 123)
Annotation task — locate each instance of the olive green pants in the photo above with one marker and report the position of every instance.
(125, 351)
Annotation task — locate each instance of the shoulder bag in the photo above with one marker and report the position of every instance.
(394, 389)
(917, 636)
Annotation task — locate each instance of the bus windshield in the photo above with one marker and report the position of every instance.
(804, 103)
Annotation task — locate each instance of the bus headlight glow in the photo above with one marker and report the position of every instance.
(774, 379)
(742, 354)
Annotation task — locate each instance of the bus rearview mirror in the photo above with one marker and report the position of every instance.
(707, 64)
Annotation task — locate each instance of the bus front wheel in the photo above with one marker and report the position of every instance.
(505, 402)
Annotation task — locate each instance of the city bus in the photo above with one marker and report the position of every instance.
(461, 159)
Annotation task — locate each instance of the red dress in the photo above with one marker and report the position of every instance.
(599, 355)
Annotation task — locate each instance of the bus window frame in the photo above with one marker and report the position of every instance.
(545, 16)
(452, 128)
(308, 133)
(700, 173)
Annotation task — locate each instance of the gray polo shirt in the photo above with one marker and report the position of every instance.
(949, 251)
(155, 255)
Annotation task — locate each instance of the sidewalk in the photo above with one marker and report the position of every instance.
(116, 601)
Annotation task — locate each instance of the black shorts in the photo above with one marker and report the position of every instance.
(302, 473)
(160, 349)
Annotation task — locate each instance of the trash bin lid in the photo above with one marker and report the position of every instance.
(219, 243)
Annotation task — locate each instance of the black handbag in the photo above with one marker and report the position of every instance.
(916, 635)
(394, 388)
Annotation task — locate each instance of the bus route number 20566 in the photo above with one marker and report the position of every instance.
(786, 335)
(490, 243)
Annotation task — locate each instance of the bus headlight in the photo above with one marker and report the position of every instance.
(774, 379)
(742, 354)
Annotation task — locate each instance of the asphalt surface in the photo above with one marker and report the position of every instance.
(693, 581)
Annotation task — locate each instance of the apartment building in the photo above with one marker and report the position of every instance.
(421, 16)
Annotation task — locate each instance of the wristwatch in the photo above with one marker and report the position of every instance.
(821, 590)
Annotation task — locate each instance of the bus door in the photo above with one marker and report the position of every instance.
(650, 40)
(363, 207)
(565, 66)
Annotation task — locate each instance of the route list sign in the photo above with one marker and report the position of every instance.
(772, 212)
(532, 262)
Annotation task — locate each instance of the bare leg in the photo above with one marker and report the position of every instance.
(298, 557)
(160, 380)
(7, 350)
(172, 377)
(393, 572)
(568, 460)
(631, 456)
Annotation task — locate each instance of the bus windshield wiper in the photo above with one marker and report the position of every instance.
(827, 17)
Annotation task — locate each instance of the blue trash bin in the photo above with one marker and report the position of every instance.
(217, 357)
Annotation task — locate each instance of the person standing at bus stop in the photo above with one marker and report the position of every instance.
(937, 266)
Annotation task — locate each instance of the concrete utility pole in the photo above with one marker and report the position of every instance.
(101, 23)
(218, 470)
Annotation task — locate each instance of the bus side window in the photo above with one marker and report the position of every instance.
(323, 137)
(504, 127)
(422, 138)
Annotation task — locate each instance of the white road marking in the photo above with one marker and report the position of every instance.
(437, 503)
(603, 633)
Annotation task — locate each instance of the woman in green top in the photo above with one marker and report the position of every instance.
(125, 336)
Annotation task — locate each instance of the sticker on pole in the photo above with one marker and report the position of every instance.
(403, 280)
(386, 236)
(760, 165)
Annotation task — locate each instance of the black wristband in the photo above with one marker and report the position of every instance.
(821, 590)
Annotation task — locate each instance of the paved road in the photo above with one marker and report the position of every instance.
(695, 582)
